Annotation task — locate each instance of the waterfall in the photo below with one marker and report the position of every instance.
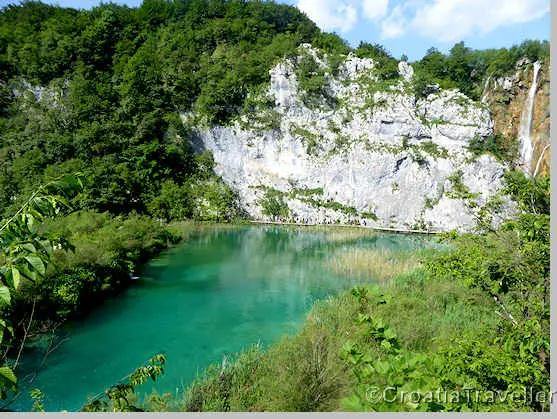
(525, 129)
(540, 160)
(485, 95)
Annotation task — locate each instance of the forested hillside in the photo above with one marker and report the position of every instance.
(100, 91)
(101, 94)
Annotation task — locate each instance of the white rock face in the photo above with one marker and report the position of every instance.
(283, 83)
(406, 70)
(381, 158)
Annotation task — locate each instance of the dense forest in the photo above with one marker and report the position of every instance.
(101, 92)
(91, 132)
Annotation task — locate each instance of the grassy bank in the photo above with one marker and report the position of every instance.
(307, 372)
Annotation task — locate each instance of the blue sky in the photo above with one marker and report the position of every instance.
(412, 26)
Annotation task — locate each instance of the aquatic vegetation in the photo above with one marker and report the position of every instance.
(374, 264)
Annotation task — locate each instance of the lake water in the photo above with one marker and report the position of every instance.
(221, 291)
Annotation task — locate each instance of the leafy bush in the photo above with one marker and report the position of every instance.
(173, 202)
(214, 201)
(313, 82)
(387, 66)
(274, 206)
(505, 149)
(458, 189)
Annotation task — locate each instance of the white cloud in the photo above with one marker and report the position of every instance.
(330, 15)
(442, 20)
(395, 24)
(374, 9)
(342, 15)
(452, 20)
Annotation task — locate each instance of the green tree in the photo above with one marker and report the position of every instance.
(172, 203)
(25, 253)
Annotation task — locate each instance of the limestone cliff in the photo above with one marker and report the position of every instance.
(520, 108)
(367, 152)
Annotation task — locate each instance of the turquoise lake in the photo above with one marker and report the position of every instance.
(222, 290)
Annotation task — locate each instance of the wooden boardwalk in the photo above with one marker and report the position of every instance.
(392, 230)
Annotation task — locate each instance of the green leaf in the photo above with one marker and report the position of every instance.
(7, 378)
(26, 272)
(5, 297)
(386, 345)
(389, 334)
(30, 220)
(16, 277)
(37, 264)
(29, 247)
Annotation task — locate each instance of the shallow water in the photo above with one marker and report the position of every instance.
(223, 290)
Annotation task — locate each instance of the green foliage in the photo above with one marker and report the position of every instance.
(112, 83)
(38, 400)
(171, 203)
(424, 84)
(503, 148)
(434, 150)
(259, 113)
(225, 387)
(387, 66)
(482, 371)
(313, 82)
(370, 215)
(273, 205)
(295, 192)
(458, 189)
(467, 69)
(25, 254)
(331, 43)
(107, 251)
(118, 397)
(532, 195)
(335, 206)
(512, 267)
(429, 203)
(214, 201)
(8, 380)
(311, 140)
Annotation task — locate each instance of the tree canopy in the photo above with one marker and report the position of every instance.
(102, 90)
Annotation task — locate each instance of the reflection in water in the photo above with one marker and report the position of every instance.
(222, 291)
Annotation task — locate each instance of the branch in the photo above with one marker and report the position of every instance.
(507, 312)
(22, 208)
(26, 329)
(30, 378)
(33, 196)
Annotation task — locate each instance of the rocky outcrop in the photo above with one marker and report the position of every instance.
(375, 154)
(519, 104)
